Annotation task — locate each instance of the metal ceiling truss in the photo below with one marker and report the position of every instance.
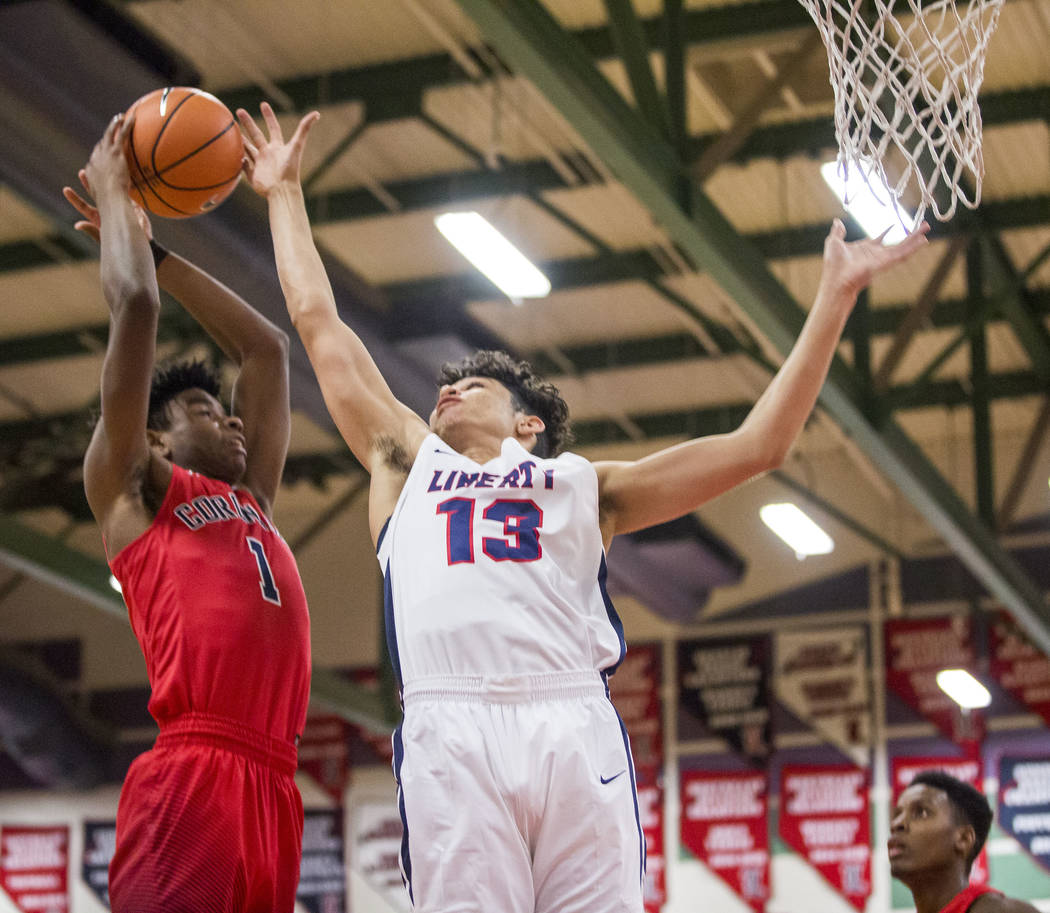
(532, 42)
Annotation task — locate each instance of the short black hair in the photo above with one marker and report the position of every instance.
(970, 805)
(171, 380)
(531, 393)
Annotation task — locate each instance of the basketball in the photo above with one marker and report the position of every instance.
(184, 152)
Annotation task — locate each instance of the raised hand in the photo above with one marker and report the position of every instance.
(272, 161)
(91, 223)
(851, 266)
(107, 170)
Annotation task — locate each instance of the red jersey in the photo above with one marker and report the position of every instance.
(218, 608)
(961, 902)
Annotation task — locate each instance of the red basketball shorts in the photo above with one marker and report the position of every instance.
(210, 821)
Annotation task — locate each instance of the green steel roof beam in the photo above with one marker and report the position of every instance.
(633, 49)
(984, 467)
(673, 43)
(533, 44)
(588, 357)
(1016, 304)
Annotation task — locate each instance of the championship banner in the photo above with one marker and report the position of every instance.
(377, 850)
(824, 818)
(821, 676)
(1019, 666)
(635, 690)
(324, 754)
(650, 783)
(100, 842)
(1024, 804)
(322, 873)
(904, 770)
(34, 865)
(723, 824)
(916, 650)
(724, 684)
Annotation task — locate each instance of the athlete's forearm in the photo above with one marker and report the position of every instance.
(238, 329)
(128, 277)
(783, 408)
(307, 290)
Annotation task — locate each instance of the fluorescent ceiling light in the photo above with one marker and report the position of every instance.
(508, 268)
(113, 582)
(963, 688)
(870, 201)
(796, 529)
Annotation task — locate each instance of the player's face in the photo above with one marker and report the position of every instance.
(473, 404)
(925, 835)
(204, 438)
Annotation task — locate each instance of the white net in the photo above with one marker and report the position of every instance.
(906, 74)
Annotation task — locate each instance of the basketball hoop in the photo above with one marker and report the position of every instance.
(906, 74)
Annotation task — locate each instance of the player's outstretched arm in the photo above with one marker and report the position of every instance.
(672, 482)
(253, 343)
(358, 398)
(118, 455)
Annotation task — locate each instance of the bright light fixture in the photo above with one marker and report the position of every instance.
(493, 255)
(963, 688)
(871, 206)
(113, 582)
(796, 529)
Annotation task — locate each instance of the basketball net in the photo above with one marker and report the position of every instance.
(906, 74)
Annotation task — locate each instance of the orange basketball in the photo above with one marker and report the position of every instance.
(184, 152)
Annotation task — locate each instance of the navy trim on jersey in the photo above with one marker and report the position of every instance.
(614, 618)
(382, 532)
(406, 858)
(388, 623)
(634, 796)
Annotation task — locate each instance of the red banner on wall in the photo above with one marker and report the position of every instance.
(723, 823)
(1019, 666)
(650, 782)
(635, 690)
(34, 866)
(916, 650)
(824, 818)
(968, 769)
(324, 754)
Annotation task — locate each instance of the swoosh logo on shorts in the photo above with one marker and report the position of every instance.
(613, 777)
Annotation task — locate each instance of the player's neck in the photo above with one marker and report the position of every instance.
(933, 894)
(478, 447)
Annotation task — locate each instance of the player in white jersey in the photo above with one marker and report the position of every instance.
(515, 778)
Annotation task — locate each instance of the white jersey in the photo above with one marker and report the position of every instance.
(497, 569)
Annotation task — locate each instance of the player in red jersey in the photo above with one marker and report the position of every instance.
(210, 819)
(937, 829)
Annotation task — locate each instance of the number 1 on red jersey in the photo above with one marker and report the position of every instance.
(269, 589)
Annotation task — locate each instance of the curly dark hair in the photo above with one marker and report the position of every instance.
(531, 394)
(170, 380)
(969, 805)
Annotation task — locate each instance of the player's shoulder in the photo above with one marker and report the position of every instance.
(1000, 903)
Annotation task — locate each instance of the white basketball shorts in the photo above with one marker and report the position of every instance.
(518, 796)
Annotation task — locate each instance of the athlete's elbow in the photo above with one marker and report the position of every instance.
(128, 298)
(763, 451)
(771, 453)
(308, 309)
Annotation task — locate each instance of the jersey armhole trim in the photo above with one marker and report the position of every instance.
(382, 533)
